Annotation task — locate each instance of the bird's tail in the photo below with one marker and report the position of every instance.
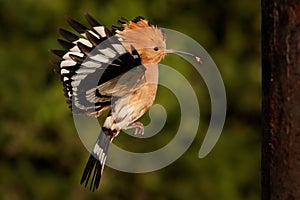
(97, 160)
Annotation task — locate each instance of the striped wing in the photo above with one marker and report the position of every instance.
(91, 64)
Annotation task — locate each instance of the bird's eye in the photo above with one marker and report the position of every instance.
(155, 48)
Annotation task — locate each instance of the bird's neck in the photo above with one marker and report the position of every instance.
(151, 73)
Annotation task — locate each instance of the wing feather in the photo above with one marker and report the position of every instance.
(92, 65)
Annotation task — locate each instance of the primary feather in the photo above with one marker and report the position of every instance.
(90, 60)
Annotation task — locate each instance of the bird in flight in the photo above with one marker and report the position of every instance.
(115, 70)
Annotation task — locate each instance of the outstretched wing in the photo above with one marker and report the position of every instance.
(91, 64)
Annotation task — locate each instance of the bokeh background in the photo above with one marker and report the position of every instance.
(41, 155)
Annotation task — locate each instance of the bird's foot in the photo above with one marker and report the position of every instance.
(138, 126)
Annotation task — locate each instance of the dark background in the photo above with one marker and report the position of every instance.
(41, 155)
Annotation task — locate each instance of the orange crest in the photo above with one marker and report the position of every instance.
(147, 39)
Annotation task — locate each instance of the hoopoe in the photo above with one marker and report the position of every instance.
(126, 72)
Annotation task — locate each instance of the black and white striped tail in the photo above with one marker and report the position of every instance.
(96, 162)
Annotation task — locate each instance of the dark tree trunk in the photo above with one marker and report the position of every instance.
(281, 99)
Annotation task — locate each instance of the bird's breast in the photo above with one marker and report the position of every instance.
(130, 107)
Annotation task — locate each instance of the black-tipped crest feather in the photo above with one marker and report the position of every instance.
(137, 19)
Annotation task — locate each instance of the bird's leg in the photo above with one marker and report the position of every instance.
(138, 126)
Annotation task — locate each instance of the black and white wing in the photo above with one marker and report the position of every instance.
(90, 64)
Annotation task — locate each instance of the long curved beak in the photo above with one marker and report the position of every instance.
(198, 59)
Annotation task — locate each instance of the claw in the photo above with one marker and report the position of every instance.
(138, 126)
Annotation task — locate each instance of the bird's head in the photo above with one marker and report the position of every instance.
(148, 40)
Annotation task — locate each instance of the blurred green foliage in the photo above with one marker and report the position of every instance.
(42, 157)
